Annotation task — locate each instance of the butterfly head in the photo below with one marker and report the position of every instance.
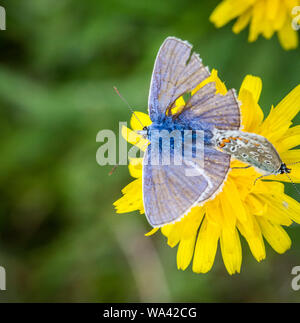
(283, 169)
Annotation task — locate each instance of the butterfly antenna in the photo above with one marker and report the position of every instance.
(293, 163)
(123, 99)
(295, 187)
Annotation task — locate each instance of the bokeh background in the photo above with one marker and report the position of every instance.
(60, 238)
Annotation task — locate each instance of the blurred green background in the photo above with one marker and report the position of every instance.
(60, 238)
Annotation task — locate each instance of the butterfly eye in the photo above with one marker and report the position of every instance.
(146, 130)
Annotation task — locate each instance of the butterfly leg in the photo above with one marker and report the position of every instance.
(245, 167)
(260, 178)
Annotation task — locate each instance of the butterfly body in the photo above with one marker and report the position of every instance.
(170, 124)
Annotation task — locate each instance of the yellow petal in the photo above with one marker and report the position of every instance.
(132, 199)
(290, 4)
(220, 86)
(135, 169)
(173, 233)
(254, 239)
(231, 194)
(276, 212)
(267, 29)
(281, 16)
(213, 212)
(242, 21)
(130, 136)
(284, 112)
(275, 235)
(257, 206)
(252, 115)
(185, 252)
(231, 250)
(295, 176)
(228, 10)
(290, 156)
(253, 84)
(229, 217)
(192, 222)
(139, 120)
(272, 9)
(288, 37)
(290, 142)
(258, 16)
(290, 139)
(151, 232)
(206, 247)
(291, 207)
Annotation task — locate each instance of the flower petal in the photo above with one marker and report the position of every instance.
(282, 115)
(275, 235)
(288, 37)
(231, 250)
(254, 239)
(228, 10)
(139, 120)
(132, 198)
(253, 84)
(291, 156)
(151, 232)
(206, 247)
(135, 168)
(272, 9)
(242, 21)
(220, 86)
(185, 252)
(258, 17)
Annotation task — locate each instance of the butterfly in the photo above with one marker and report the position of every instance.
(168, 193)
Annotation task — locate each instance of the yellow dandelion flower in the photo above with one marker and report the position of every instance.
(242, 208)
(265, 17)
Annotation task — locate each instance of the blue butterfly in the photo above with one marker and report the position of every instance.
(168, 194)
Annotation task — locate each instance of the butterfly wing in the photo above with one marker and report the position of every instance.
(220, 111)
(175, 72)
(169, 192)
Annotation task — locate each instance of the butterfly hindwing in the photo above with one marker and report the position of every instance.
(221, 111)
(169, 192)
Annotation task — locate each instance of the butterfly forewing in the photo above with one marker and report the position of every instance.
(175, 72)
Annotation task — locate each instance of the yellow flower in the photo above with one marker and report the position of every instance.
(264, 16)
(254, 211)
